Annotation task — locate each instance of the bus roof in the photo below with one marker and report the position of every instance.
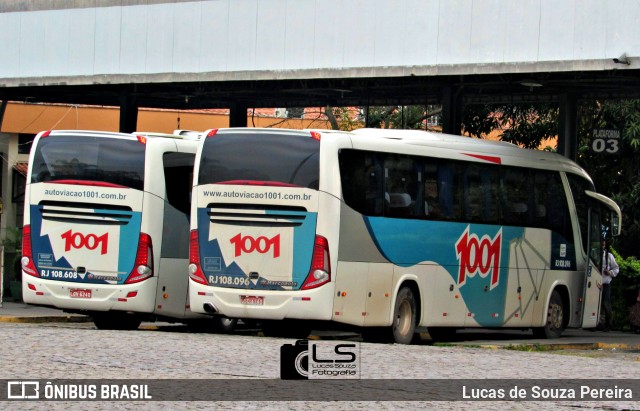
(442, 145)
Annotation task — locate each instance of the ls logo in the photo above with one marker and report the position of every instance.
(90, 241)
(479, 255)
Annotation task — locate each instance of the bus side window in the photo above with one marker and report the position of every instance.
(401, 186)
(450, 189)
(178, 175)
(431, 192)
(361, 179)
(515, 195)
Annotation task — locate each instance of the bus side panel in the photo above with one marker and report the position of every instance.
(476, 257)
(350, 302)
(441, 297)
(528, 259)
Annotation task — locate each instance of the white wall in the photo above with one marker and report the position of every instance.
(238, 39)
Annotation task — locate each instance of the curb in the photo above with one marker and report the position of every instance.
(554, 347)
(56, 319)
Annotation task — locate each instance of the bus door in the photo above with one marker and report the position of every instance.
(593, 276)
(603, 212)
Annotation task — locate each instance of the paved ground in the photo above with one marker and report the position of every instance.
(570, 340)
(55, 345)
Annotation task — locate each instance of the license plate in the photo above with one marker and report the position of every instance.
(79, 293)
(252, 300)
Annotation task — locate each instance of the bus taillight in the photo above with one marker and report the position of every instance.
(27, 255)
(195, 271)
(143, 267)
(320, 272)
(212, 132)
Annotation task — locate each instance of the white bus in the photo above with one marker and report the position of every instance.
(107, 225)
(394, 232)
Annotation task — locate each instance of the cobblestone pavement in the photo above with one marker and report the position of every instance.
(58, 351)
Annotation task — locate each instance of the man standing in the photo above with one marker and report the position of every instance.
(610, 269)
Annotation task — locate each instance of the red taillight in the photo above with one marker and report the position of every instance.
(195, 271)
(212, 132)
(315, 135)
(27, 254)
(320, 272)
(45, 134)
(143, 267)
(142, 139)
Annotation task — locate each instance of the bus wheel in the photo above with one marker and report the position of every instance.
(404, 317)
(555, 318)
(116, 321)
(224, 324)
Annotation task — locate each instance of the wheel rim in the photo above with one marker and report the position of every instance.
(403, 321)
(555, 316)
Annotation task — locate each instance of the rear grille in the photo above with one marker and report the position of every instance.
(256, 215)
(85, 213)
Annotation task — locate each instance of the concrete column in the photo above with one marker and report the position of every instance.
(128, 113)
(238, 115)
(568, 126)
(451, 110)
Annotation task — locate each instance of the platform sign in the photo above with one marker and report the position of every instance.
(606, 140)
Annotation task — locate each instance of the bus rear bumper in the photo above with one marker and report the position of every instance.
(315, 304)
(138, 297)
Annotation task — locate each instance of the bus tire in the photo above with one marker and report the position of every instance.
(555, 324)
(405, 317)
(116, 321)
(224, 325)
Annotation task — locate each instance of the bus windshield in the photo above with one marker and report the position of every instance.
(108, 160)
(260, 159)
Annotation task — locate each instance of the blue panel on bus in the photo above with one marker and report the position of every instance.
(275, 256)
(107, 251)
(476, 257)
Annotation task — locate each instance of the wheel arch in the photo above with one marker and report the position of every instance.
(410, 281)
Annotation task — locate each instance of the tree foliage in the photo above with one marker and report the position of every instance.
(526, 124)
(615, 175)
(402, 117)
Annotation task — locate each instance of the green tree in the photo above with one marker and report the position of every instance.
(615, 175)
(401, 117)
(524, 124)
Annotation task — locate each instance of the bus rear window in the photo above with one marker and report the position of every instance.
(108, 160)
(260, 158)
